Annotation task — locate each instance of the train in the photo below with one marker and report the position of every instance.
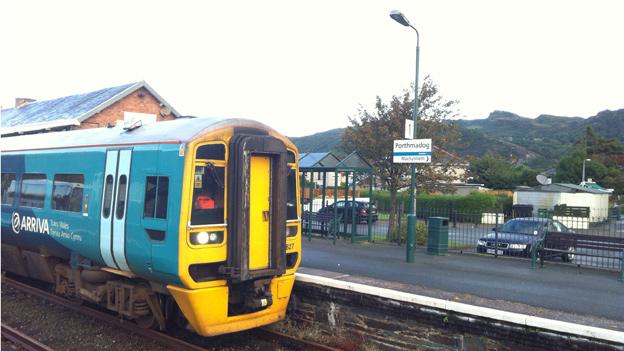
(193, 222)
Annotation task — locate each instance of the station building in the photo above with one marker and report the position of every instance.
(102, 108)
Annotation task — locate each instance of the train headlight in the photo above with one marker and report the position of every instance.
(203, 238)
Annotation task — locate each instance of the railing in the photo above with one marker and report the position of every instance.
(468, 229)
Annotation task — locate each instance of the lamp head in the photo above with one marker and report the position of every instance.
(588, 159)
(398, 16)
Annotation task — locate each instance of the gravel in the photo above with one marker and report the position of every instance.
(64, 329)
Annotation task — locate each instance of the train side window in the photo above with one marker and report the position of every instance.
(32, 191)
(108, 196)
(156, 197)
(67, 192)
(120, 207)
(208, 195)
(9, 187)
(291, 195)
(211, 152)
(163, 197)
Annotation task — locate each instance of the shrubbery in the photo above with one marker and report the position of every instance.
(421, 231)
(474, 203)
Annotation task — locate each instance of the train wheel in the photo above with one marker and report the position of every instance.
(174, 315)
(147, 322)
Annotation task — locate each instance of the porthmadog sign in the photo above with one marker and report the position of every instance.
(412, 151)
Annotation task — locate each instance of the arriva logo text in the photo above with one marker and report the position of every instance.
(29, 224)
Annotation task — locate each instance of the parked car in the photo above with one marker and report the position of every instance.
(344, 208)
(516, 237)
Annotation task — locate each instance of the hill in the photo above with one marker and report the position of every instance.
(319, 142)
(538, 142)
(545, 138)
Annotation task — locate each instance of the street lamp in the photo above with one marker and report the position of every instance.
(587, 159)
(411, 217)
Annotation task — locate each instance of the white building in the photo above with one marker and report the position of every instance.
(571, 195)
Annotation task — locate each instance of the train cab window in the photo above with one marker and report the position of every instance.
(9, 187)
(32, 191)
(211, 152)
(291, 195)
(120, 207)
(67, 192)
(291, 157)
(208, 195)
(108, 196)
(156, 197)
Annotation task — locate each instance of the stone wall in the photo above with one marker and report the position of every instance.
(395, 325)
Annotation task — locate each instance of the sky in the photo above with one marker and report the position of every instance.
(306, 66)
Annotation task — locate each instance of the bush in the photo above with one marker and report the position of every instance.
(474, 202)
(421, 233)
(401, 232)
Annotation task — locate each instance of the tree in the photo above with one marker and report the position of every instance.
(371, 133)
(606, 166)
(497, 173)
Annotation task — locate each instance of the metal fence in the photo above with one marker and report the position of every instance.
(595, 240)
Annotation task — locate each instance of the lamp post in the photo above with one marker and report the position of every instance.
(411, 217)
(583, 180)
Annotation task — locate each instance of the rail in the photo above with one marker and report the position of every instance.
(174, 343)
(23, 340)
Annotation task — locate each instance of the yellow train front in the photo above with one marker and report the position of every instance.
(241, 184)
(194, 220)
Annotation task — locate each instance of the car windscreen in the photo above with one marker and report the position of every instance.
(522, 227)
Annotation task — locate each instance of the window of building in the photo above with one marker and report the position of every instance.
(156, 197)
(67, 192)
(108, 196)
(120, 207)
(32, 191)
(9, 186)
(211, 152)
(208, 195)
(291, 195)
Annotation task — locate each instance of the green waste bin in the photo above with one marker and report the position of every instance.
(437, 236)
(542, 213)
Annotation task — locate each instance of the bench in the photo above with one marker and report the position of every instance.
(568, 244)
(326, 219)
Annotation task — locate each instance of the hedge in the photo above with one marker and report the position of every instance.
(475, 202)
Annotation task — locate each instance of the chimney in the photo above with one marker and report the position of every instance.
(22, 101)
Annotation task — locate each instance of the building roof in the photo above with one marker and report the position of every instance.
(328, 162)
(561, 188)
(593, 185)
(68, 110)
(318, 160)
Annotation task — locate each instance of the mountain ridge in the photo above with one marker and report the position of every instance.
(537, 142)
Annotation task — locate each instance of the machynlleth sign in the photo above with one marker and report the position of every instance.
(412, 151)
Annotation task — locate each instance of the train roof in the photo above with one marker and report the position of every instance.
(178, 131)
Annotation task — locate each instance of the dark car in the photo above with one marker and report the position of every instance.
(516, 237)
(344, 208)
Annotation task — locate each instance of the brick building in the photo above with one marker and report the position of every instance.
(106, 107)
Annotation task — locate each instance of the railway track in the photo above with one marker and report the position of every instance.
(174, 343)
(24, 341)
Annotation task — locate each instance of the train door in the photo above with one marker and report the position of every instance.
(257, 207)
(114, 208)
(259, 211)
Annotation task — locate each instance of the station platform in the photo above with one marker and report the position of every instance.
(558, 291)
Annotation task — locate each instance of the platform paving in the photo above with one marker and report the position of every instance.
(557, 291)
